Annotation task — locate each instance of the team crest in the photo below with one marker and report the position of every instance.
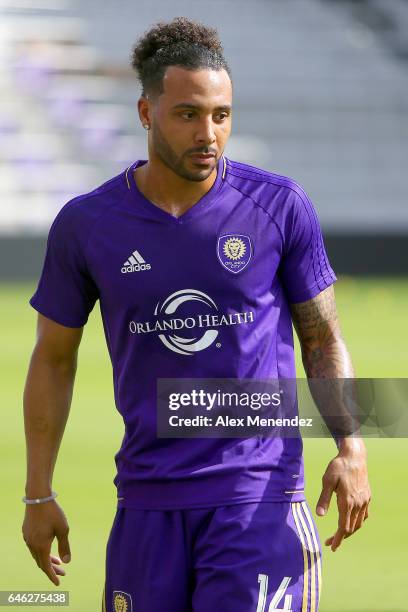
(234, 252)
(122, 602)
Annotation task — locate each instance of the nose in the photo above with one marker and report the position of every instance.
(206, 133)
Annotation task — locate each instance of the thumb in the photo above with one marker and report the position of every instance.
(63, 548)
(324, 500)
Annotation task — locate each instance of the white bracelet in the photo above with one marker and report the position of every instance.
(40, 500)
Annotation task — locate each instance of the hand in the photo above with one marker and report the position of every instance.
(43, 522)
(347, 475)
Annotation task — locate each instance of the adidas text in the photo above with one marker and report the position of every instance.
(135, 268)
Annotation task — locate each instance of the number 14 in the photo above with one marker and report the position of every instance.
(280, 593)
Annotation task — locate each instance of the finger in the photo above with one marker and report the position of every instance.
(59, 570)
(329, 541)
(323, 503)
(46, 566)
(54, 559)
(344, 523)
(355, 513)
(361, 518)
(56, 562)
(346, 535)
(338, 539)
(64, 548)
(345, 509)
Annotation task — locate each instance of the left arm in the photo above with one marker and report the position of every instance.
(324, 355)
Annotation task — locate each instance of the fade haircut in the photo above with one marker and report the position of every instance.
(180, 42)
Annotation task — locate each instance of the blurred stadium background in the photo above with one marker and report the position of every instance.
(321, 94)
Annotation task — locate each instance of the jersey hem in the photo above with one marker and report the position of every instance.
(278, 498)
(212, 490)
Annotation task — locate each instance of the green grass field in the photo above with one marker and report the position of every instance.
(368, 573)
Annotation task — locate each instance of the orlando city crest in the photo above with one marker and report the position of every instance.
(234, 252)
(122, 602)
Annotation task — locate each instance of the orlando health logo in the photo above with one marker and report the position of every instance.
(204, 324)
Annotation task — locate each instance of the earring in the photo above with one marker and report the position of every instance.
(146, 126)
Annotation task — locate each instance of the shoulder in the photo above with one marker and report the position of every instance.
(241, 174)
(280, 196)
(85, 209)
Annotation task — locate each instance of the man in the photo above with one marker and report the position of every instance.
(201, 523)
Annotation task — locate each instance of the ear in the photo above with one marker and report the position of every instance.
(143, 107)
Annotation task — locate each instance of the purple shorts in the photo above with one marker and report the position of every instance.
(249, 557)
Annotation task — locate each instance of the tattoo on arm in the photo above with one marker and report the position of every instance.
(324, 352)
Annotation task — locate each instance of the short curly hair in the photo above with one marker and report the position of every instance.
(180, 42)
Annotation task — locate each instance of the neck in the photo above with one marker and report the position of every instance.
(168, 190)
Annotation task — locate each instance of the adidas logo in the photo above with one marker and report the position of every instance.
(135, 263)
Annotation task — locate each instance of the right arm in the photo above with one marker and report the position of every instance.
(47, 399)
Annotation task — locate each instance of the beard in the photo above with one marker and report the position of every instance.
(179, 164)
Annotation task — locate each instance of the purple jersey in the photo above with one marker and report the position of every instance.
(204, 295)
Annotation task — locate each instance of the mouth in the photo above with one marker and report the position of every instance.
(202, 158)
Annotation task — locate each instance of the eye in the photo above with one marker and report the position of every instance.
(187, 115)
(222, 116)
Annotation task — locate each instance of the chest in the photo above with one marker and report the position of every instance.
(231, 259)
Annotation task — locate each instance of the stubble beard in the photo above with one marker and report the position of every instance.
(169, 158)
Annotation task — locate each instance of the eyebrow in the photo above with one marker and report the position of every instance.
(226, 107)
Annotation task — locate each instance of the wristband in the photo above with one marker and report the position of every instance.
(40, 500)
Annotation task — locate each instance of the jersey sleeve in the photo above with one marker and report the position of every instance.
(66, 292)
(305, 268)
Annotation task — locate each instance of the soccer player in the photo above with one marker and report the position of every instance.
(200, 265)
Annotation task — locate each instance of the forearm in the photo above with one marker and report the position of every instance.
(327, 357)
(327, 363)
(47, 400)
(336, 395)
(330, 377)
